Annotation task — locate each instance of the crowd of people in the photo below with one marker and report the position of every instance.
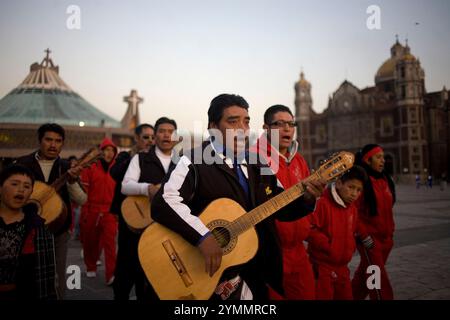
(304, 248)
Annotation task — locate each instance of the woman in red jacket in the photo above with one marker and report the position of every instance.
(375, 227)
(99, 226)
(331, 243)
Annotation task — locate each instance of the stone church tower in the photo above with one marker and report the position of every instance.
(303, 112)
(402, 76)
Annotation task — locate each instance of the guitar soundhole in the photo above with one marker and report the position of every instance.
(223, 236)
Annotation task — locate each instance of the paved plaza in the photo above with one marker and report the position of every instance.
(419, 264)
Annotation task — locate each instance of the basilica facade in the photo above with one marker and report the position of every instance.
(397, 112)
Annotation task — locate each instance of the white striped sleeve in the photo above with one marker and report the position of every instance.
(171, 195)
(130, 184)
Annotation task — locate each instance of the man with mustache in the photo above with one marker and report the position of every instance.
(47, 166)
(194, 183)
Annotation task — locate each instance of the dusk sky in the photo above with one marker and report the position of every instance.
(181, 54)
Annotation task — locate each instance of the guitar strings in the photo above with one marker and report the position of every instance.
(264, 208)
(315, 175)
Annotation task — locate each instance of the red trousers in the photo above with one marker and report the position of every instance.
(333, 282)
(378, 255)
(99, 231)
(297, 285)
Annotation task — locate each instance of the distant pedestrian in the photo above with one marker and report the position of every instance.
(443, 182)
(417, 181)
(430, 181)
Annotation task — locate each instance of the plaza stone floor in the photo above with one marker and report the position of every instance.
(419, 264)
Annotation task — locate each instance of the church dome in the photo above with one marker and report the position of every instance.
(387, 69)
(408, 57)
(303, 82)
(398, 53)
(44, 97)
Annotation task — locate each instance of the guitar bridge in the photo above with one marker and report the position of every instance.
(177, 263)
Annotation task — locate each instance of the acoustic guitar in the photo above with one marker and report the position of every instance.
(49, 203)
(136, 213)
(176, 269)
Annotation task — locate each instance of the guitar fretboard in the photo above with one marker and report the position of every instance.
(263, 211)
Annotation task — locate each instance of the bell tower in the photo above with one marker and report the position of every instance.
(303, 111)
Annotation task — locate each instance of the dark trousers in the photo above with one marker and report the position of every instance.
(61, 244)
(128, 271)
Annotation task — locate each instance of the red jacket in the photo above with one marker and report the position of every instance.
(291, 169)
(382, 225)
(98, 184)
(332, 237)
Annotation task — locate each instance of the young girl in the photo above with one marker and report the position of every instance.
(27, 262)
(376, 226)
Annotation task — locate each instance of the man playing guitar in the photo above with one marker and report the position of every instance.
(128, 271)
(47, 166)
(148, 169)
(194, 184)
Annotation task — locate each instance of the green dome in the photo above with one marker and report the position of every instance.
(44, 97)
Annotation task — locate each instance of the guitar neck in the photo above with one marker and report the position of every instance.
(265, 210)
(58, 183)
(61, 181)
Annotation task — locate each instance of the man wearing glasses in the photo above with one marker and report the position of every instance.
(128, 272)
(290, 168)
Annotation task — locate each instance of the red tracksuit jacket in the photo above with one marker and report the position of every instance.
(382, 225)
(298, 279)
(332, 238)
(99, 185)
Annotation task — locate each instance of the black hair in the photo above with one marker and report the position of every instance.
(163, 120)
(70, 158)
(360, 154)
(355, 173)
(221, 102)
(15, 169)
(139, 128)
(369, 193)
(51, 127)
(268, 115)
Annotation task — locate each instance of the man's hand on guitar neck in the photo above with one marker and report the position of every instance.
(314, 190)
(74, 173)
(212, 253)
